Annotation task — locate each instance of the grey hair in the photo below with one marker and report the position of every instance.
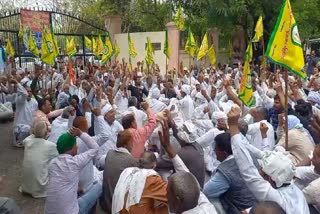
(148, 160)
(66, 113)
(185, 187)
(40, 129)
(263, 111)
(132, 101)
(243, 126)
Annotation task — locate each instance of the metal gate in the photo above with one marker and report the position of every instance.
(63, 25)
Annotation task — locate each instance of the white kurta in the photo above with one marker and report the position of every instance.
(290, 198)
(186, 107)
(37, 155)
(24, 109)
(58, 127)
(256, 138)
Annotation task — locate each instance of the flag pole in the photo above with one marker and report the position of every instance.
(166, 66)
(286, 109)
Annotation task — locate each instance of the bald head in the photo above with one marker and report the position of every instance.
(81, 123)
(183, 192)
(267, 207)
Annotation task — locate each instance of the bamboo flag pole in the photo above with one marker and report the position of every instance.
(286, 109)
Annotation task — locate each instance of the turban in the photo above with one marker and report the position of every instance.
(279, 167)
(106, 109)
(314, 97)
(155, 93)
(185, 89)
(24, 81)
(200, 97)
(20, 71)
(218, 115)
(65, 143)
(188, 133)
(293, 122)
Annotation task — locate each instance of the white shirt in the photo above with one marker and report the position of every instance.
(121, 101)
(37, 155)
(24, 109)
(58, 127)
(290, 198)
(101, 127)
(64, 173)
(304, 176)
(63, 98)
(256, 138)
(186, 107)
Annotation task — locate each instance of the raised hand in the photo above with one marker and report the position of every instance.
(263, 130)
(75, 132)
(164, 137)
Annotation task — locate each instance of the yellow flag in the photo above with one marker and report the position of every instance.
(32, 47)
(284, 47)
(258, 30)
(98, 47)
(191, 45)
(179, 19)
(47, 47)
(246, 91)
(9, 48)
(94, 46)
(149, 52)
(132, 50)
(21, 30)
(87, 43)
(71, 48)
(116, 49)
(55, 43)
(212, 55)
(108, 50)
(203, 48)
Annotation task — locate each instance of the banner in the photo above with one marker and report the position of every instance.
(34, 21)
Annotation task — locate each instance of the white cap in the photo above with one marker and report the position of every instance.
(279, 167)
(106, 109)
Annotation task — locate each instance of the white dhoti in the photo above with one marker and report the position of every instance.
(20, 132)
(6, 111)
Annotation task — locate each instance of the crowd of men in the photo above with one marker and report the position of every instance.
(143, 141)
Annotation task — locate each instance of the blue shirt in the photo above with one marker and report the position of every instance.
(216, 186)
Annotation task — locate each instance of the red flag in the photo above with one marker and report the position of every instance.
(72, 77)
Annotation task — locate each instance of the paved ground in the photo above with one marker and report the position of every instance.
(10, 170)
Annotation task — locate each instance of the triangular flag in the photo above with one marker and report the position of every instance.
(212, 55)
(149, 52)
(32, 46)
(246, 90)
(258, 30)
(9, 48)
(191, 45)
(132, 50)
(203, 48)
